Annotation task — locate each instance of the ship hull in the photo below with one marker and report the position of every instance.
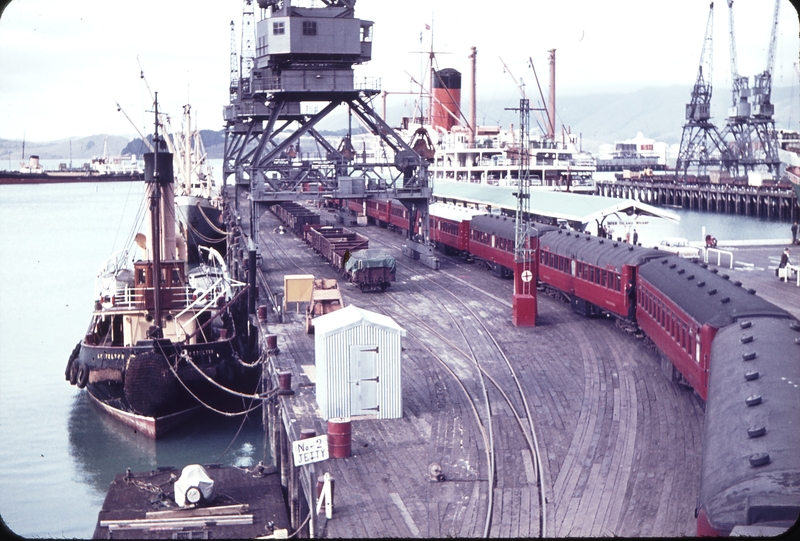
(152, 427)
(157, 385)
(202, 224)
(15, 177)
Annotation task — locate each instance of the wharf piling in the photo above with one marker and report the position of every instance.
(772, 203)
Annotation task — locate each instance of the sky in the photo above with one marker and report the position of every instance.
(65, 65)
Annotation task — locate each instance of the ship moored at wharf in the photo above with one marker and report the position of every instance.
(158, 350)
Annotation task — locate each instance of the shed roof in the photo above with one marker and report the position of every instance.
(351, 316)
(559, 205)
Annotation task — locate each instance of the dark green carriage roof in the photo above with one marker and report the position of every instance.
(706, 296)
(596, 251)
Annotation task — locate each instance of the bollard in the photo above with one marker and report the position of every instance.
(285, 382)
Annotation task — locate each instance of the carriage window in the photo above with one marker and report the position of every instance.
(603, 278)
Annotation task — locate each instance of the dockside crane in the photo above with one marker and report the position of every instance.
(248, 55)
(306, 56)
(738, 122)
(762, 122)
(702, 145)
(234, 88)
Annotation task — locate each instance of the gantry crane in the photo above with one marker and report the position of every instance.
(234, 55)
(702, 145)
(762, 122)
(302, 72)
(738, 122)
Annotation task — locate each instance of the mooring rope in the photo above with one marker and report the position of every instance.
(215, 410)
(208, 220)
(203, 237)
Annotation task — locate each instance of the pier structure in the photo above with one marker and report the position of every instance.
(757, 201)
(299, 73)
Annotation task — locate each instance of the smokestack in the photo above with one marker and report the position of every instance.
(552, 109)
(473, 56)
(446, 102)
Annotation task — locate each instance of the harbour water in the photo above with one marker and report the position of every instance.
(59, 453)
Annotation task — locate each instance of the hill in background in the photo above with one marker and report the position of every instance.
(599, 119)
(81, 149)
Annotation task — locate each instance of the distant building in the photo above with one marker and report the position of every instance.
(640, 154)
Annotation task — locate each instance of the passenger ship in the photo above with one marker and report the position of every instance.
(494, 159)
(789, 150)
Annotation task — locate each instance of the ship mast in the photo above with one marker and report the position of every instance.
(155, 224)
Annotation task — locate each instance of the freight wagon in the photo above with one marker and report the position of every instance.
(295, 216)
(348, 252)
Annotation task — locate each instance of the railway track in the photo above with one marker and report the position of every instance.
(600, 402)
(489, 400)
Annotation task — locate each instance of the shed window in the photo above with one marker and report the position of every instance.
(309, 28)
(278, 29)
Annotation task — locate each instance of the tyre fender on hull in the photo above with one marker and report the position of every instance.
(72, 356)
(73, 373)
(82, 377)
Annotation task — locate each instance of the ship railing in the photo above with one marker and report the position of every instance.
(129, 298)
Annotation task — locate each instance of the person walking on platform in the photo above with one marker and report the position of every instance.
(794, 233)
(635, 238)
(782, 265)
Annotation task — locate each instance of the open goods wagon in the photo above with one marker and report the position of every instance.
(296, 216)
(349, 252)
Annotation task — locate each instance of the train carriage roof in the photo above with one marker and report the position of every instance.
(578, 208)
(709, 297)
(597, 251)
(739, 427)
(504, 226)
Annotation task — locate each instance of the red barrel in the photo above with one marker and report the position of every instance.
(339, 437)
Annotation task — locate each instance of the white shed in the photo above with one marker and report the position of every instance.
(358, 364)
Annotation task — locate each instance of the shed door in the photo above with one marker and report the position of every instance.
(363, 380)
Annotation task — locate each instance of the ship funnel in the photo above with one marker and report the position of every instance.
(446, 108)
(166, 179)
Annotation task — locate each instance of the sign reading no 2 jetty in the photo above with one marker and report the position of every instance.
(310, 450)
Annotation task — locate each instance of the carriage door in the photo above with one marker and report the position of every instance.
(630, 297)
(363, 380)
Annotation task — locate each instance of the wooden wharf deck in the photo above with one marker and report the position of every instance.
(620, 444)
(762, 202)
